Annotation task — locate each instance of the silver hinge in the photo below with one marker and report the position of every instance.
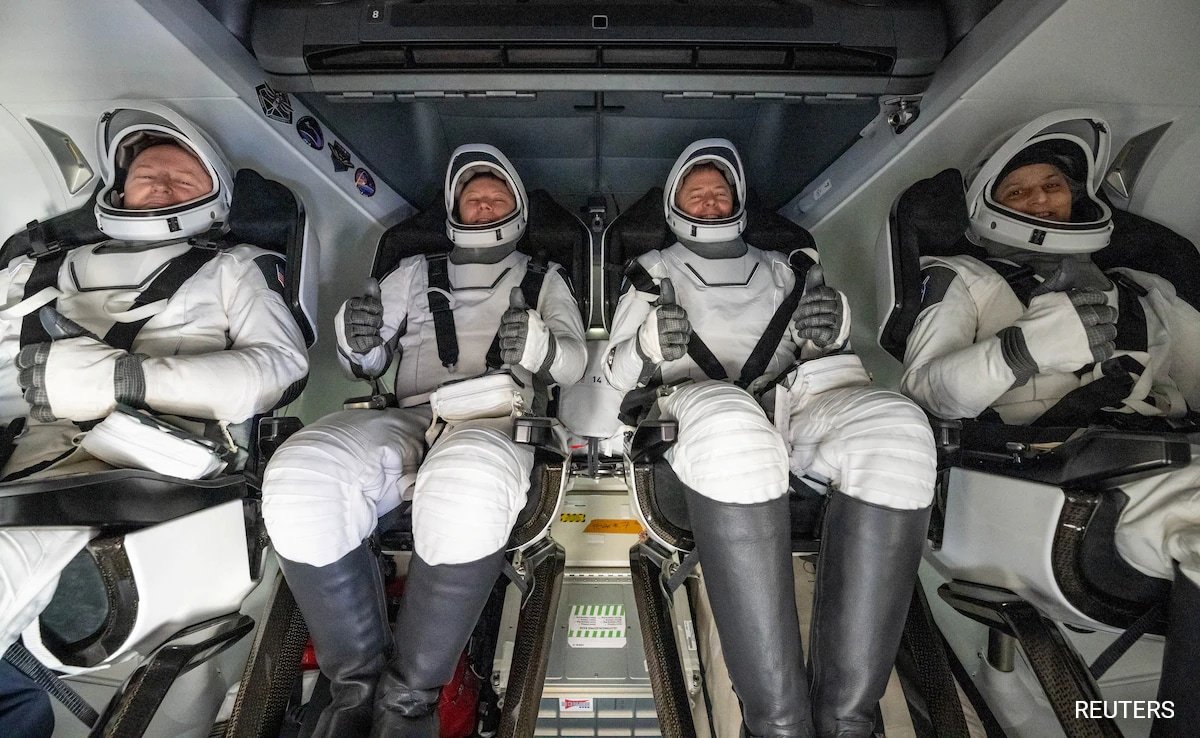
(901, 112)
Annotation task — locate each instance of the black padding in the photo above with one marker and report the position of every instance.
(122, 499)
(643, 228)
(264, 213)
(66, 230)
(553, 233)
(928, 219)
(1103, 566)
(1140, 243)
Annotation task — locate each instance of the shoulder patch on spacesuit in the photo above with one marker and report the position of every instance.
(273, 270)
(935, 281)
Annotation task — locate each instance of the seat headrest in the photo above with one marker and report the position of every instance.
(264, 213)
(931, 215)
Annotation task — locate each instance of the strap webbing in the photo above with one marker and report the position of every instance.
(1021, 279)
(1123, 642)
(24, 662)
(163, 287)
(438, 271)
(1080, 406)
(44, 274)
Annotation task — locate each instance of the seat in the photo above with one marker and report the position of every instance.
(535, 561)
(1024, 517)
(661, 564)
(142, 601)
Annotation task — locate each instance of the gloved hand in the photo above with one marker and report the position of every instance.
(76, 376)
(1059, 331)
(823, 315)
(665, 333)
(524, 338)
(362, 318)
(1074, 274)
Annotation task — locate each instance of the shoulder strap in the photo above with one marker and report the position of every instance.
(760, 357)
(167, 283)
(439, 305)
(44, 274)
(536, 270)
(1132, 332)
(641, 280)
(1020, 278)
(62, 232)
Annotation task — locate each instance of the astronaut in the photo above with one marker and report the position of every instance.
(217, 344)
(1037, 334)
(693, 313)
(327, 485)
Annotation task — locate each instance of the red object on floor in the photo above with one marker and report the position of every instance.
(459, 702)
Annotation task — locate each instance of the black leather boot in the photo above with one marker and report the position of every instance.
(437, 615)
(746, 554)
(343, 605)
(865, 579)
(1179, 683)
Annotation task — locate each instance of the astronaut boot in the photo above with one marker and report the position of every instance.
(745, 551)
(343, 605)
(440, 608)
(1180, 680)
(865, 579)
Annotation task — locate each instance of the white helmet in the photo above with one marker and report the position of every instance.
(124, 133)
(467, 161)
(724, 155)
(1077, 142)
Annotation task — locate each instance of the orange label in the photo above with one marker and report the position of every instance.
(602, 525)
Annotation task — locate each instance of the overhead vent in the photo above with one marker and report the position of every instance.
(377, 58)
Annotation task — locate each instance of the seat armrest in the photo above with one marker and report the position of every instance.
(1097, 459)
(652, 439)
(117, 500)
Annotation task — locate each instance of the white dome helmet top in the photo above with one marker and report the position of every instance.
(126, 131)
(1077, 141)
(467, 161)
(724, 155)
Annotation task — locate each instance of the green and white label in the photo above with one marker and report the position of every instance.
(596, 626)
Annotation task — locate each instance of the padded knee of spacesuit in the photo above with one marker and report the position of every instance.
(553, 232)
(642, 227)
(469, 492)
(156, 581)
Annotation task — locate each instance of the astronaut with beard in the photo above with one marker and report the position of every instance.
(327, 485)
(76, 339)
(1035, 333)
(724, 315)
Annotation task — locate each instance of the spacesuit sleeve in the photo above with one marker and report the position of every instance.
(560, 312)
(946, 370)
(265, 355)
(394, 292)
(623, 364)
(12, 286)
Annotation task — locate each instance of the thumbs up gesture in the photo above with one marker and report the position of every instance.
(665, 333)
(823, 315)
(363, 318)
(524, 338)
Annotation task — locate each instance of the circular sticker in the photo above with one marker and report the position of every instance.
(310, 131)
(364, 182)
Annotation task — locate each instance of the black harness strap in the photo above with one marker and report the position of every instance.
(438, 271)
(44, 274)
(1082, 405)
(531, 288)
(1021, 279)
(163, 287)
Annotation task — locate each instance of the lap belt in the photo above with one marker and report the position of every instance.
(24, 662)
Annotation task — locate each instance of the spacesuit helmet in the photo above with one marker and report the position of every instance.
(724, 155)
(127, 131)
(1077, 143)
(466, 162)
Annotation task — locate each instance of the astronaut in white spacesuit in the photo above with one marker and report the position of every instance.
(1038, 334)
(729, 303)
(86, 328)
(326, 487)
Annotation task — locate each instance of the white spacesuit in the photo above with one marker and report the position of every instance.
(1039, 322)
(873, 448)
(216, 342)
(325, 488)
